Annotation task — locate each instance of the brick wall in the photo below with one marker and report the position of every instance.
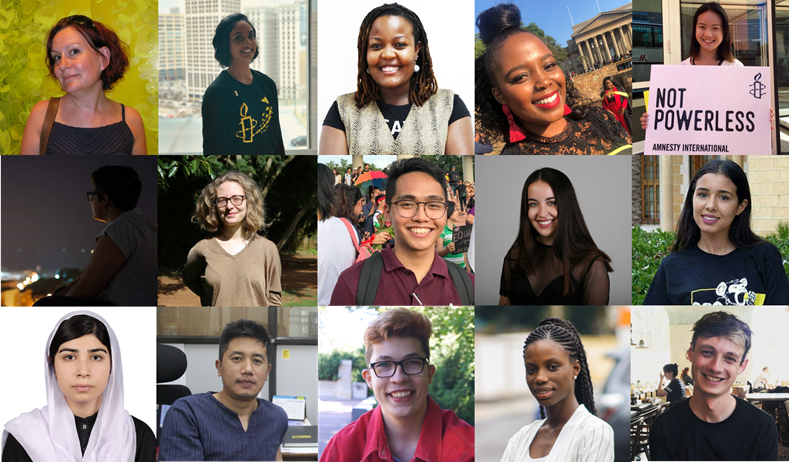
(769, 180)
(591, 84)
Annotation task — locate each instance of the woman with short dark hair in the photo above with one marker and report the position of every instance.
(675, 390)
(240, 107)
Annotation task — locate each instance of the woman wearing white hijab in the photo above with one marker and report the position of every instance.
(84, 419)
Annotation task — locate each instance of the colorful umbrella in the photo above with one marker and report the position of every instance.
(375, 178)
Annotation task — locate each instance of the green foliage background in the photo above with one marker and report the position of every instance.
(23, 73)
(556, 48)
(451, 351)
(649, 249)
(288, 182)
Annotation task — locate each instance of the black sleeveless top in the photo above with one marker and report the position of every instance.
(589, 284)
(113, 139)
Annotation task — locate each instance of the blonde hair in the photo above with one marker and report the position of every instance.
(399, 322)
(207, 216)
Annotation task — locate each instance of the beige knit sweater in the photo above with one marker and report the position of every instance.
(249, 278)
(424, 131)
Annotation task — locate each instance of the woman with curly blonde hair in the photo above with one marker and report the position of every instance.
(235, 267)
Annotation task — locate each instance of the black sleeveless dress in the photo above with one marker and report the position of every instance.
(113, 139)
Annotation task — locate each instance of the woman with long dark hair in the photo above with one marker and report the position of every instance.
(716, 258)
(397, 107)
(523, 97)
(675, 389)
(554, 260)
(84, 419)
(557, 374)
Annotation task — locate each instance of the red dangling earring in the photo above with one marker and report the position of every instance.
(567, 109)
(516, 132)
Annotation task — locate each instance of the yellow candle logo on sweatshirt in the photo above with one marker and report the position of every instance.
(249, 124)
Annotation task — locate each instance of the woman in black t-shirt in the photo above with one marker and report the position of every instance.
(240, 107)
(554, 260)
(716, 258)
(685, 377)
(397, 107)
(675, 390)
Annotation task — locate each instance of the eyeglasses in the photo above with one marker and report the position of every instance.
(433, 210)
(386, 369)
(91, 195)
(221, 202)
(79, 20)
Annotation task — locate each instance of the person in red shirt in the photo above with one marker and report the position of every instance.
(407, 425)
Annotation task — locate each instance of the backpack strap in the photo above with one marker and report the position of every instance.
(463, 284)
(46, 128)
(368, 280)
(354, 237)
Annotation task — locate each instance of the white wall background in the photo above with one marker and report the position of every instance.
(23, 338)
(450, 32)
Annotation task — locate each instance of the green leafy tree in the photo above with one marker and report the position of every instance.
(559, 53)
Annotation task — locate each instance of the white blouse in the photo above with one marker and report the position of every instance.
(584, 438)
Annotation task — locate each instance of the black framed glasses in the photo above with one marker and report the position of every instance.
(433, 210)
(221, 202)
(78, 19)
(386, 369)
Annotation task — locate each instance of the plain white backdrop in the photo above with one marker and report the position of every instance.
(450, 32)
(23, 338)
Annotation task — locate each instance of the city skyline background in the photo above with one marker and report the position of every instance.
(48, 220)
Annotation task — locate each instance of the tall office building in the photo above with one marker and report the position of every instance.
(292, 45)
(172, 46)
(265, 21)
(202, 17)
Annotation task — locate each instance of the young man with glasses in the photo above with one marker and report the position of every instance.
(712, 424)
(410, 272)
(407, 424)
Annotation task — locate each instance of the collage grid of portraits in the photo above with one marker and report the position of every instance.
(301, 261)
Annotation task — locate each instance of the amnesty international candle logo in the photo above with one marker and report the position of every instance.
(757, 88)
(708, 109)
(251, 127)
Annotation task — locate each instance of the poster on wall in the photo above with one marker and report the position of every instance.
(709, 110)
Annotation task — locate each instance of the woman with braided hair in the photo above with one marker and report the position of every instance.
(397, 107)
(558, 376)
(523, 97)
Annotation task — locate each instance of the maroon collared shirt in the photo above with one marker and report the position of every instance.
(444, 438)
(398, 285)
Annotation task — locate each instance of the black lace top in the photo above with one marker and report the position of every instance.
(598, 133)
(589, 284)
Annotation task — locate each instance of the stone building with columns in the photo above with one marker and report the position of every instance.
(599, 39)
(660, 184)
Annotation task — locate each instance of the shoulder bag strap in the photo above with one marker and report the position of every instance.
(49, 119)
(462, 281)
(368, 281)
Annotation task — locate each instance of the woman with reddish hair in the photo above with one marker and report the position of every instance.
(87, 58)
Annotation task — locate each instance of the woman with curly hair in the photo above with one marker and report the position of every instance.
(523, 97)
(557, 374)
(397, 107)
(236, 267)
(616, 101)
(87, 58)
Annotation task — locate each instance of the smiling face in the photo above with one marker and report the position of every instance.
(401, 396)
(715, 204)
(550, 372)
(391, 53)
(530, 82)
(77, 66)
(244, 368)
(609, 85)
(542, 211)
(715, 364)
(231, 214)
(709, 30)
(243, 43)
(418, 233)
(82, 368)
